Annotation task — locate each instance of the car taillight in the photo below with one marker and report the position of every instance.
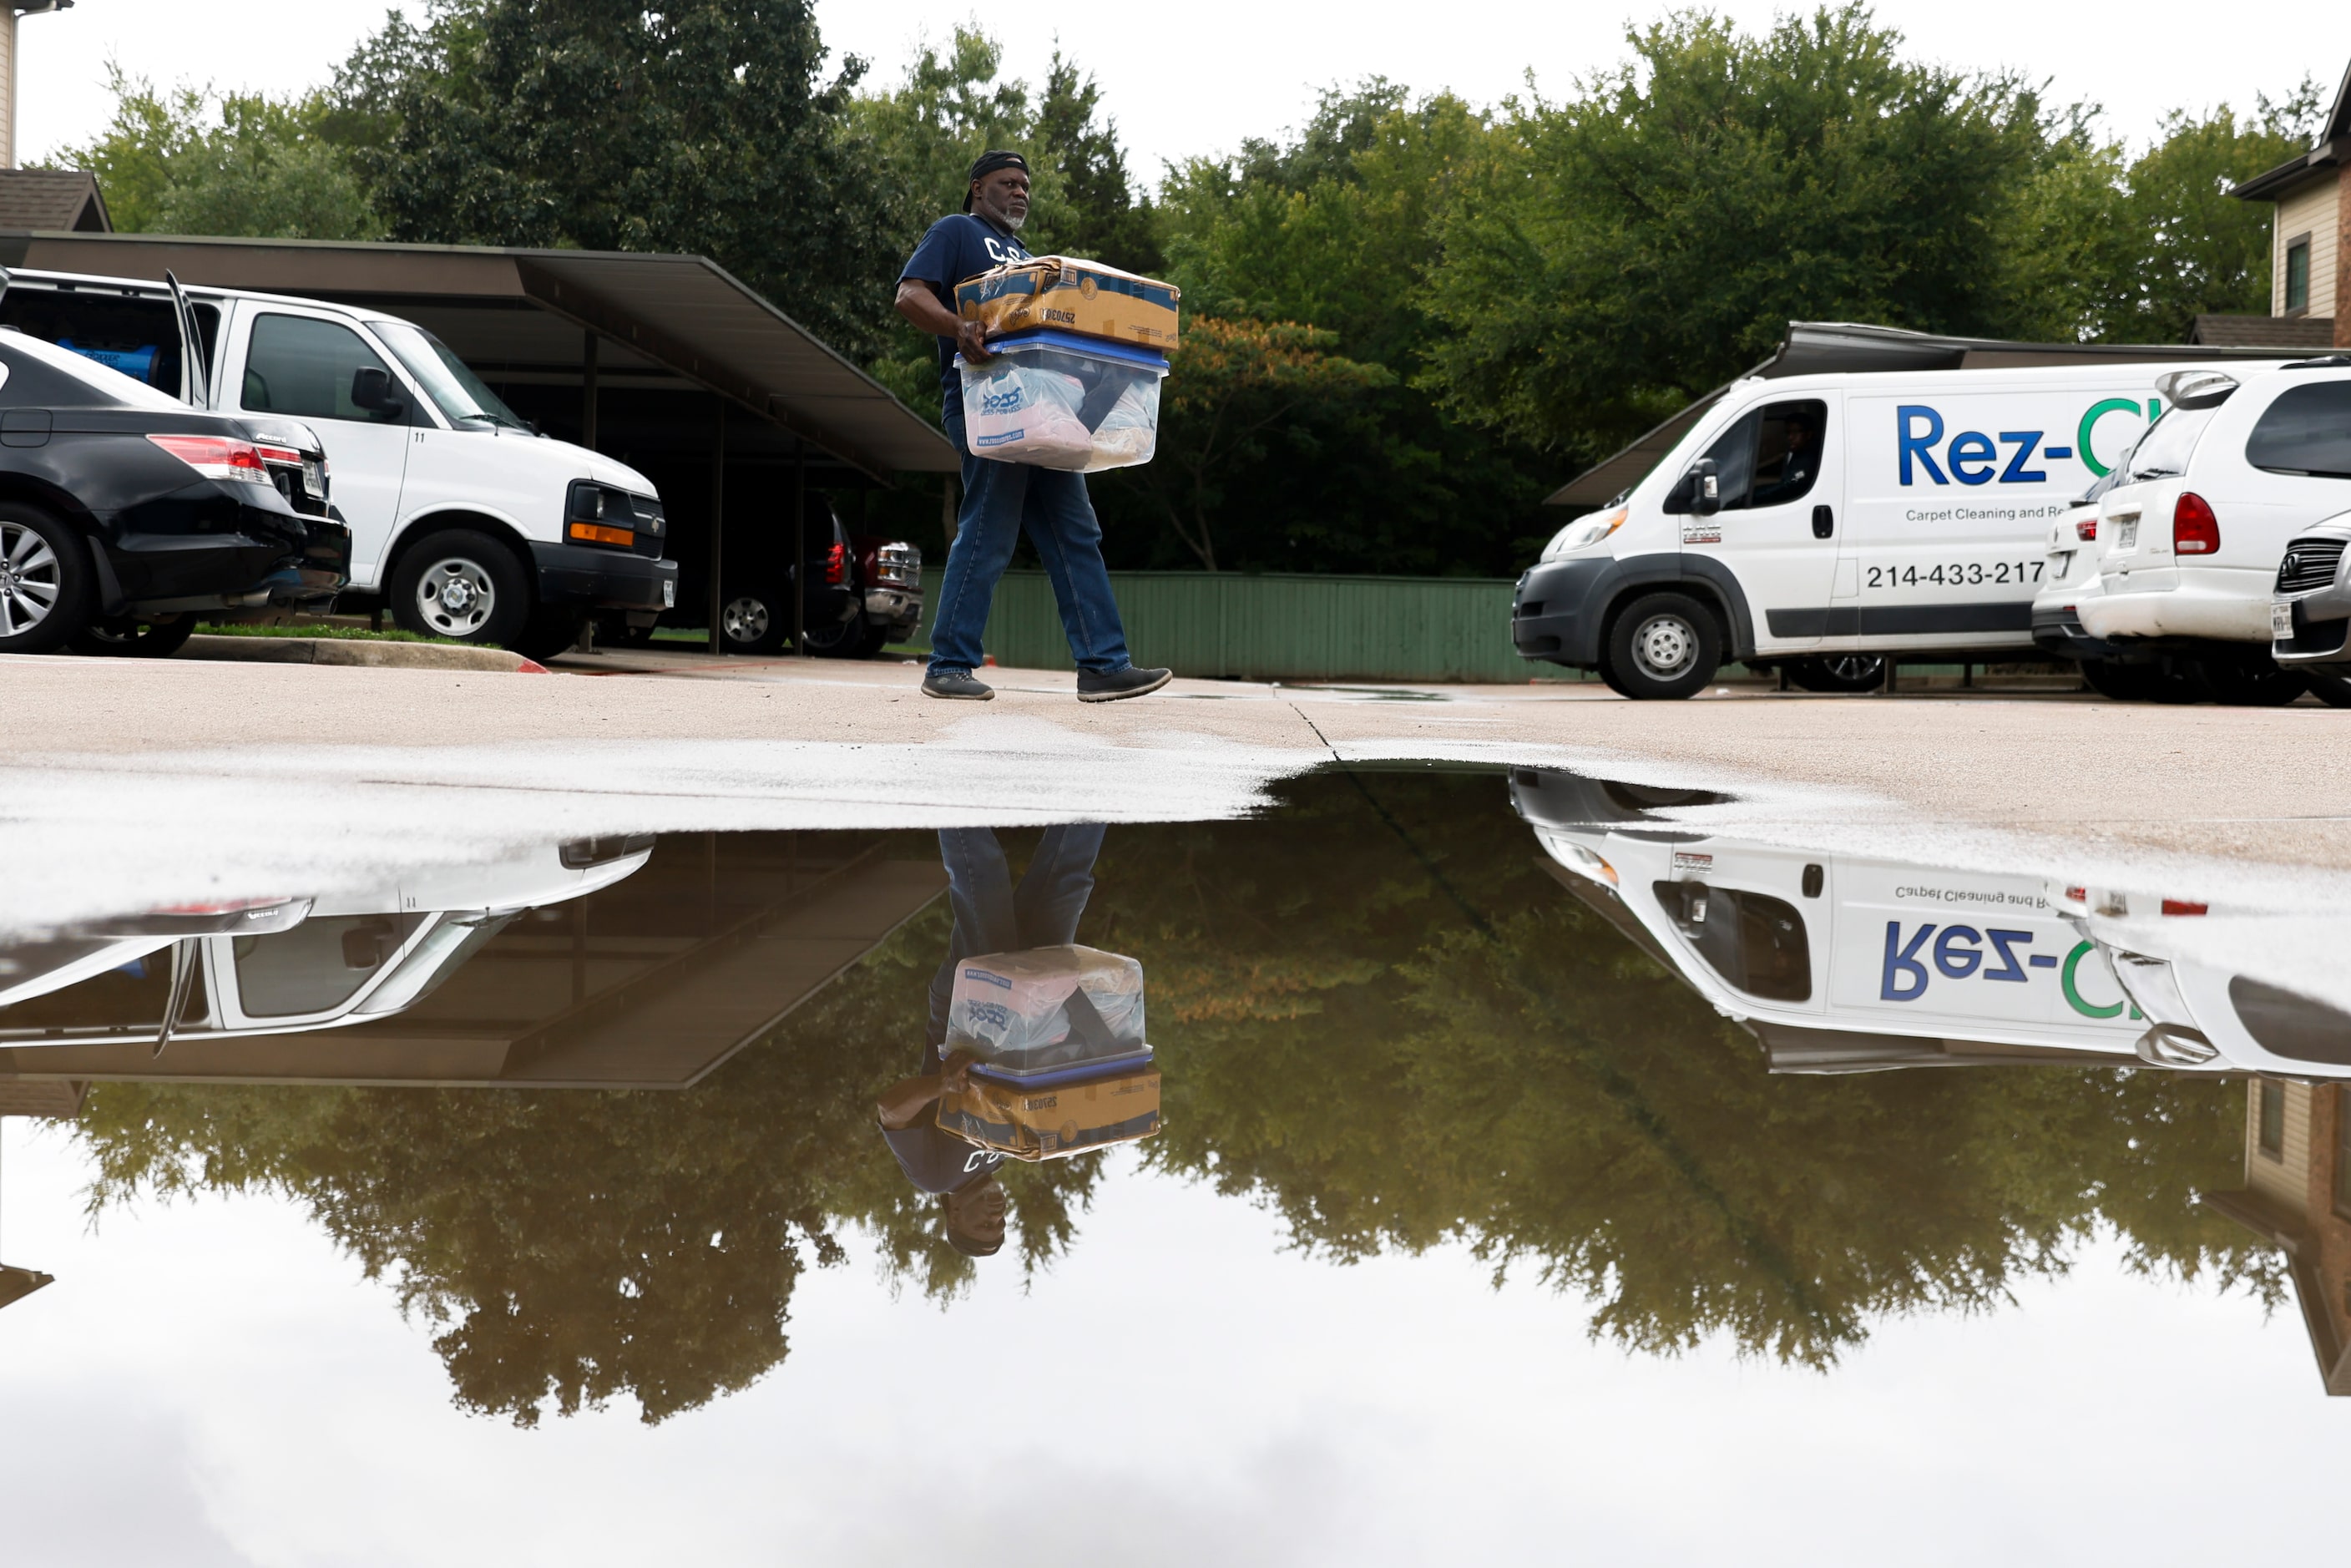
(217, 457)
(836, 565)
(2194, 529)
(2086, 530)
(2182, 907)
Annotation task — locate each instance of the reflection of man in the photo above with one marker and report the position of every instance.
(991, 917)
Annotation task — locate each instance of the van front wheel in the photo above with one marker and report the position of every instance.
(462, 585)
(1664, 645)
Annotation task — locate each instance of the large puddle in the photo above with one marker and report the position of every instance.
(1441, 1161)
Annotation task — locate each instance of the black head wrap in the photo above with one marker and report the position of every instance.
(988, 163)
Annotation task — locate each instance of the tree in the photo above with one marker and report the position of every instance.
(1230, 384)
(704, 127)
(1650, 236)
(1103, 219)
(190, 161)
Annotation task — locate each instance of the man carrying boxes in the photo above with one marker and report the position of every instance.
(1000, 496)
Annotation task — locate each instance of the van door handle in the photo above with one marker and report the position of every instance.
(1823, 522)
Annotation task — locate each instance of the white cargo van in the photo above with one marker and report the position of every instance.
(1811, 516)
(1841, 961)
(465, 522)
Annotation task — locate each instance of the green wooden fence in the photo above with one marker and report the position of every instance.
(1279, 626)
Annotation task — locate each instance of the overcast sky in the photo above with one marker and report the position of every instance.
(1232, 68)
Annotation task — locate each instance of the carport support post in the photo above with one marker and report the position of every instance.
(799, 549)
(588, 393)
(717, 525)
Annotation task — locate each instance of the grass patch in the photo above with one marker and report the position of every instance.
(340, 633)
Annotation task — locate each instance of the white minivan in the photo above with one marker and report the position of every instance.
(1811, 517)
(2189, 543)
(465, 523)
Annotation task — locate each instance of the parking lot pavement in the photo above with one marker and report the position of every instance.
(2268, 784)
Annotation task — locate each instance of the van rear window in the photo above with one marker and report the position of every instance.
(2307, 431)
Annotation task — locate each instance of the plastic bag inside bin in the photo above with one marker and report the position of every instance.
(1043, 1008)
(1057, 400)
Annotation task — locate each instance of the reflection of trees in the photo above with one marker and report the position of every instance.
(1389, 1070)
(1386, 1023)
(572, 1246)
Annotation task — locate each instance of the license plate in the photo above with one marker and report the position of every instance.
(2282, 620)
(2127, 534)
(669, 596)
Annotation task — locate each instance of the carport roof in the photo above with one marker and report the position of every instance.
(669, 317)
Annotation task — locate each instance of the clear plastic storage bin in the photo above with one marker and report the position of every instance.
(1059, 400)
(1047, 1010)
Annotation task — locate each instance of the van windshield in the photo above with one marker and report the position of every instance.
(2163, 452)
(456, 391)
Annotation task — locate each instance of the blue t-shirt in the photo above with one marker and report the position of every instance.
(957, 246)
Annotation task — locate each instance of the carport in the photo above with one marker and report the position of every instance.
(667, 362)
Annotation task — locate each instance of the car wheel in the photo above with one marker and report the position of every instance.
(47, 580)
(1838, 672)
(125, 638)
(841, 639)
(2331, 686)
(2153, 682)
(2252, 682)
(462, 585)
(550, 629)
(753, 621)
(1664, 645)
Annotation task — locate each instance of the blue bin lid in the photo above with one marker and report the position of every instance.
(1078, 343)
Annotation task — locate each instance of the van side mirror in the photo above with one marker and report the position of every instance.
(372, 390)
(1706, 489)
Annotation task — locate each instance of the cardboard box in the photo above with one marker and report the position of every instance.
(1071, 295)
(1050, 1124)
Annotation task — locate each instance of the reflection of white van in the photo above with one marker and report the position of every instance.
(1907, 964)
(353, 960)
(465, 521)
(1809, 516)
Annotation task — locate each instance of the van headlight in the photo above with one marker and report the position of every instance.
(1585, 532)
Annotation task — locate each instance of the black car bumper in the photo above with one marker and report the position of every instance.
(2059, 633)
(1556, 613)
(263, 558)
(603, 579)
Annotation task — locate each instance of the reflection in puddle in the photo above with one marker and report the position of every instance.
(1382, 1013)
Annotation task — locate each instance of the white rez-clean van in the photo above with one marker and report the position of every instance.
(1842, 958)
(463, 520)
(1813, 516)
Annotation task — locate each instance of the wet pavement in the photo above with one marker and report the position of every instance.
(1376, 1162)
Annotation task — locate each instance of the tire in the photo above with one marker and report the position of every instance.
(1663, 646)
(753, 621)
(2158, 681)
(843, 639)
(552, 629)
(2252, 682)
(48, 583)
(2330, 684)
(465, 586)
(125, 638)
(1838, 672)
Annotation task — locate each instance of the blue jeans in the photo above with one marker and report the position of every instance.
(999, 499)
(992, 916)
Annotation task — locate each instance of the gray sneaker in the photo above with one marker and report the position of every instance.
(1130, 682)
(957, 684)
